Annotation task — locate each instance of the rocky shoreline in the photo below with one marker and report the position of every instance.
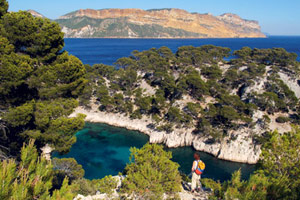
(241, 149)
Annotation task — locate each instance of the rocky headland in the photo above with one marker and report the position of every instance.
(154, 23)
(241, 149)
(225, 109)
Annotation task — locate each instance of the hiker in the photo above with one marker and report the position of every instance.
(197, 169)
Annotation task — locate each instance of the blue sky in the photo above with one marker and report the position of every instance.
(276, 17)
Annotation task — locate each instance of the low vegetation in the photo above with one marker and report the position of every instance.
(276, 178)
(151, 173)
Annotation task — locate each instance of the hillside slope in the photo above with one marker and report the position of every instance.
(156, 23)
(195, 98)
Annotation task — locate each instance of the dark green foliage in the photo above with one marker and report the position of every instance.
(3, 7)
(244, 109)
(228, 113)
(65, 78)
(270, 102)
(127, 79)
(151, 173)
(282, 119)
(193, 109)
(103, 70)
(174, 115)
(85, 187)
(22, 80)
(256, 70)
(244, 53)
(38, 83)
(19, 116)
(15, 71)
(61, 132)
(125, 62)
(201, 55)
(91, 187)
(36, 37)
(86, 95)
(68, 167)
(144, 104)
(222, 116)
(274, 56)
(46, 122)
(5, 47)
(283, 92)
(230, 78)
(165, 52)
(167, 127)
(166, 82)
(212, 72)
(196, 85)
(107, 184)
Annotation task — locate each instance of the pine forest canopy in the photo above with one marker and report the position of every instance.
(41, 85)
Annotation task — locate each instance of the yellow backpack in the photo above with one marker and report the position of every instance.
(200, 167)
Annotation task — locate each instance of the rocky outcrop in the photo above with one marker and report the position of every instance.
(242, 149)
(155, 23)
(46, 151)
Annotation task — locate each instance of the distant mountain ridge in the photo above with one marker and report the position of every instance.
(36, 14)
(155, 23)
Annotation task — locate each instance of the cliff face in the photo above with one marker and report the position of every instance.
(164, 23)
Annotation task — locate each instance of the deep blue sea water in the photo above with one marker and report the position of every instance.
(107, 51)
(104, 150)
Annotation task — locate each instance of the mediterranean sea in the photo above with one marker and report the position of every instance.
(107, 51)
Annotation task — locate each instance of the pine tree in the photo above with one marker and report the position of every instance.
(3, 7)
(151, 173)
(31, 178)
(280, 163)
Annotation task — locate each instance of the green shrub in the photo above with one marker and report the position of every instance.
(85, 187)
(90, 187)
(167, 127)
(31, 178)
(107, 184)
(151, 173)
(282, 119)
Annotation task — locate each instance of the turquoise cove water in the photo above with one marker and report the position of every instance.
(104, 150)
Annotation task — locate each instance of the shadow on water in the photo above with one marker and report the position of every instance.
(104, 150)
